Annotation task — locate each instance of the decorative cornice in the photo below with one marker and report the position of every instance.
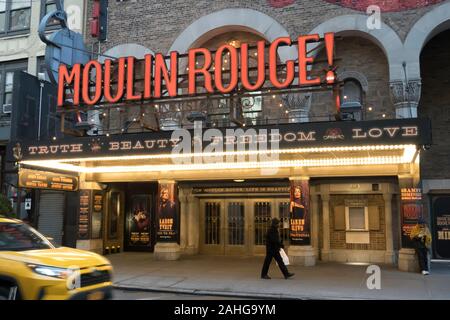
(402, 94)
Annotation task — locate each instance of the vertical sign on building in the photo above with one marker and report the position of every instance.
(97, 214)
(411, 210)
(299, 232)
(84, 214)
(167, 214)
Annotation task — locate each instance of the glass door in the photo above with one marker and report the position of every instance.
(212, 227)
(262, 216)
(236, 226)
(239, 226)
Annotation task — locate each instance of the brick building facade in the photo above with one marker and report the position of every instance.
(410, 45)
(392, 66)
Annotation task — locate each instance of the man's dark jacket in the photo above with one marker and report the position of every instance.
(273, 242)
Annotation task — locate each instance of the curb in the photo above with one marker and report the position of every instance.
(275, 296)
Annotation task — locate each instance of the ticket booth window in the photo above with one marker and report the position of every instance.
(357, 219)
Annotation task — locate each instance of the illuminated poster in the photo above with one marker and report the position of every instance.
(299, 213)
(84, 214)
(34, 179)
(139, 222)
(411, 211)
(441, 228)
(167, 213)
(97, 213)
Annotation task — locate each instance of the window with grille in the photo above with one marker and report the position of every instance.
(262, 211)
(351, 100)
(7, 71)
(48, 6)
(236, 223)
(212, 223)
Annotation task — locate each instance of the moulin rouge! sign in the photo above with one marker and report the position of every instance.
(114, 81)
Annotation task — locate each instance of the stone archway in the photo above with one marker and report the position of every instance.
(429, 25)
(385, 38)
(233, 20)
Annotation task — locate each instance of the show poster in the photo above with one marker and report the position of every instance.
(84, 214)
(97, 214)
(139, 222)
(411, 211)
(299, 213)
(168, 212)
(441, 214)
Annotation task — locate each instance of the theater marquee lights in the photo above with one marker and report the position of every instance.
(336, 157)
(94, 83)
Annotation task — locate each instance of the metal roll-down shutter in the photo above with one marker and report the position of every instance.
(51, 215)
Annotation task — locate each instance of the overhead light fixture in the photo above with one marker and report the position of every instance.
(407, 148)
(238, 180)
(378, 160)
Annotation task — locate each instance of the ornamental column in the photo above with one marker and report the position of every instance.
(167, 221)
(301, 251)
(184, 212)
(405, 97)
(410, 210)
(389, 257)
(325, 253)
(193, 225)
(315, 223)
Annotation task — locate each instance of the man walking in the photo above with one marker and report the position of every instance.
(273, 246)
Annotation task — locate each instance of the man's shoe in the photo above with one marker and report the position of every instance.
(266, 277)
(289, 275)
(424, 272)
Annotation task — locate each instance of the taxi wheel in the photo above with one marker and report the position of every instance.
(4, 293)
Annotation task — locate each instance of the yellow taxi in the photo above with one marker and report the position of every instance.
(31, 268)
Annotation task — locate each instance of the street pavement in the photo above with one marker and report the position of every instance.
(239, 277)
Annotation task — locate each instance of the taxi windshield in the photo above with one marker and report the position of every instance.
(19, 237)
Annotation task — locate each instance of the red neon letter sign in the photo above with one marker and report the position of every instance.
(193, 71)
(98, 82)
(120, 80)
(233, 69)
(162, 71)
(130, 80)
(273, 64)
(148, 76)
(303, 60)
(261, 67)
(64, 77)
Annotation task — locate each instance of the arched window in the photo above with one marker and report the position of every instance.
(351, 100)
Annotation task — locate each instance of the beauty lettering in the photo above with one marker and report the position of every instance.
(115, 80)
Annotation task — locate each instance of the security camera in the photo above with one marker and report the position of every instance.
(426, 147)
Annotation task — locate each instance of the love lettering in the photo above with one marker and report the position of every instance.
(114, 81)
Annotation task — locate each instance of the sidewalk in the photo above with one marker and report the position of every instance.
(239, 277)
